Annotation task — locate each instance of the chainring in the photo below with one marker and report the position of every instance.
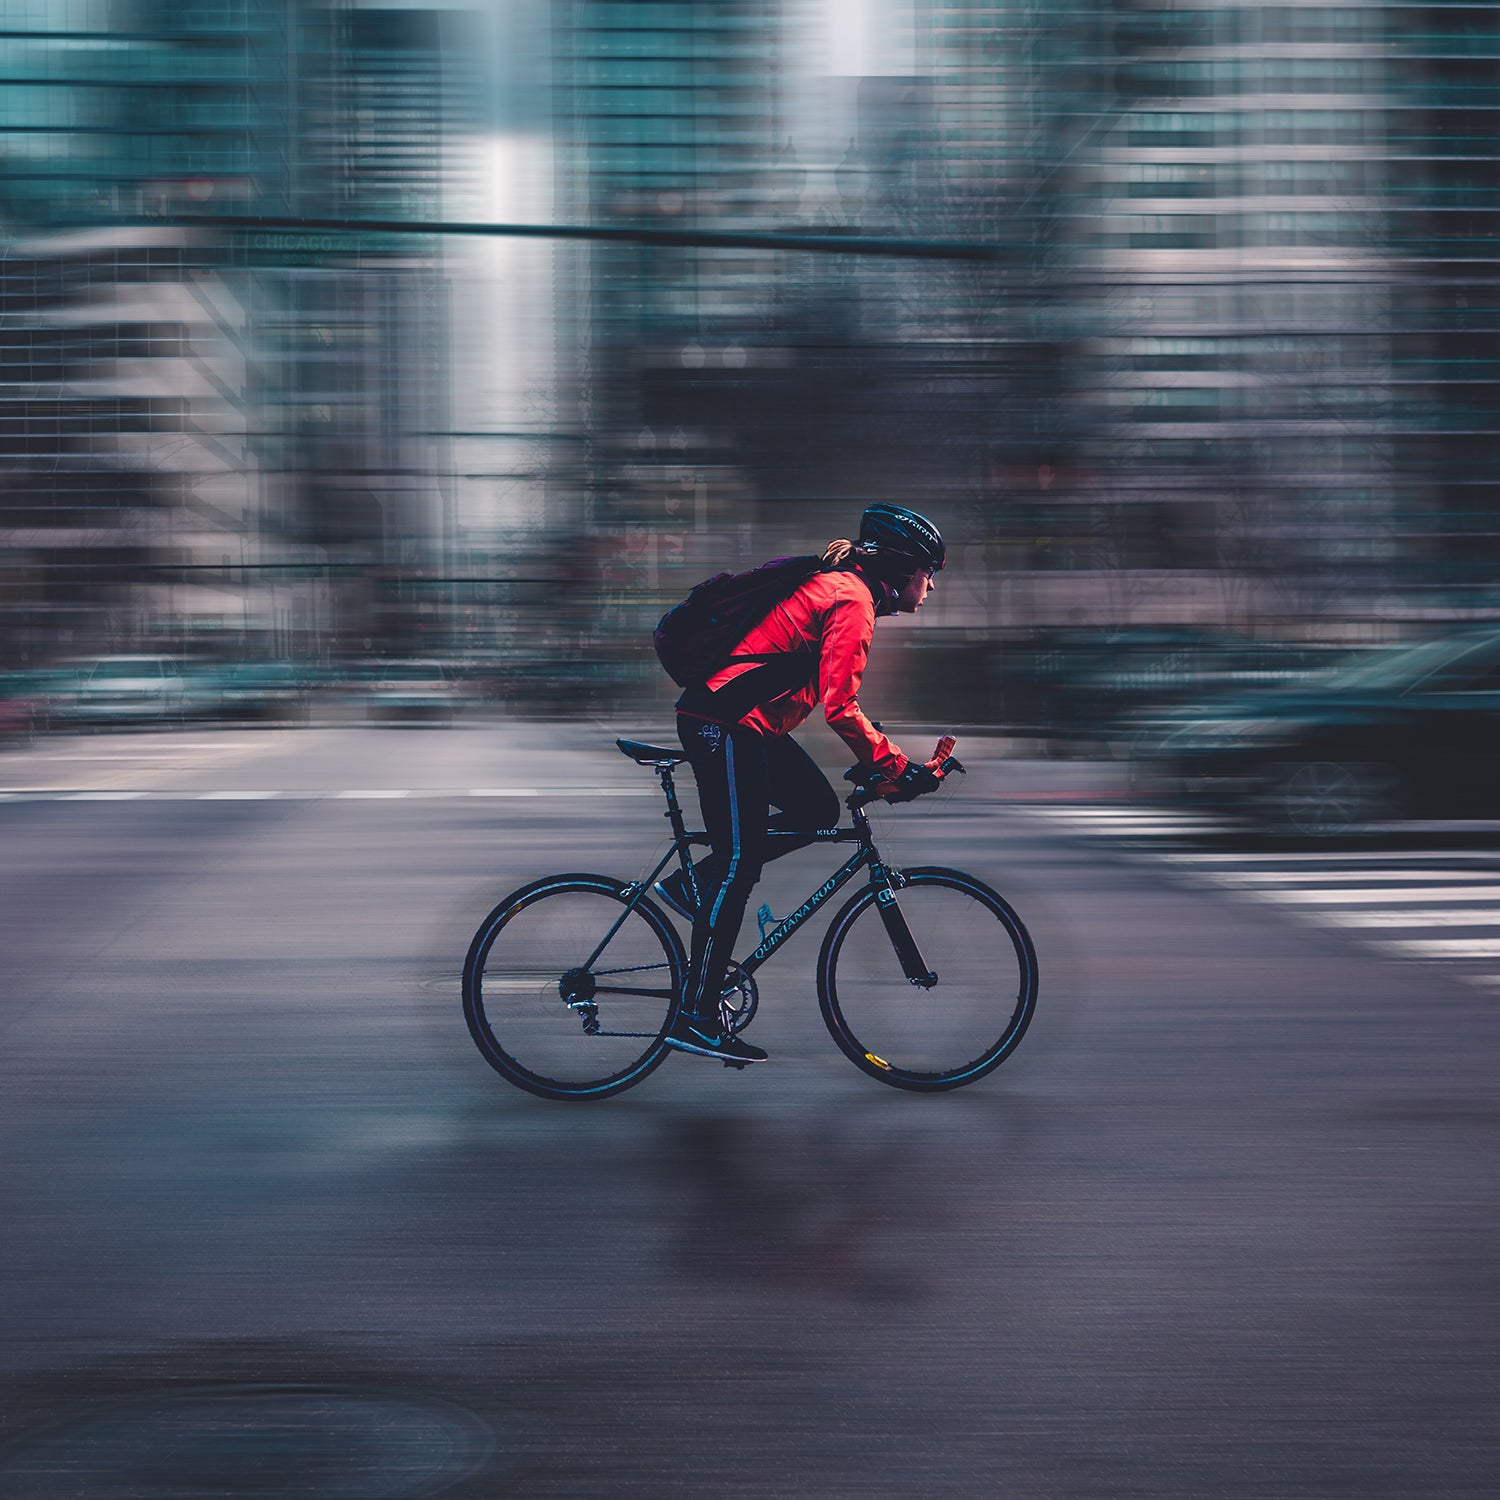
(738, 1001)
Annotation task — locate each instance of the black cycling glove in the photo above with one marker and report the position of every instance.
(915, 781)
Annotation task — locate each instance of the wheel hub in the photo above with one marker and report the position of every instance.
(577, 987)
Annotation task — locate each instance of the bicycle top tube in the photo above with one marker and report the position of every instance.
(664, 760)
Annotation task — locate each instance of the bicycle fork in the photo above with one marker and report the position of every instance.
(913, 965)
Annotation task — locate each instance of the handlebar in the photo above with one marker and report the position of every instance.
(871, 785)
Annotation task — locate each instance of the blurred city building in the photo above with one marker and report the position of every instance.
(1219, 377)
(127, 489)
(234, 447)
(358, 397)
(666, 117)
(1192, 326)
(748, 401)
(741, 402)
(1286, 212)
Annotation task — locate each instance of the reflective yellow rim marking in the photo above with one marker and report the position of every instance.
(879, 1062)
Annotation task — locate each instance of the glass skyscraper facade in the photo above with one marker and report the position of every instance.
(213, 442)
(125, 461)
(1271, 226)
(1216, 347)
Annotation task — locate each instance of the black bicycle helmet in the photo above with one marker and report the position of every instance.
(893, 535)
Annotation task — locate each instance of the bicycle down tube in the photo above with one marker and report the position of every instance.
(788, 925)
(913, 965)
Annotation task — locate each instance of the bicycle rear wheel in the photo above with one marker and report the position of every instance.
(568, 990)
(967, 1023)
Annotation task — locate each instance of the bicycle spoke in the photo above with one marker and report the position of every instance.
(963, 1025)
(538, 991)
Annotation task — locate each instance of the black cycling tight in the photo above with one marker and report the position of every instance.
(741, 776)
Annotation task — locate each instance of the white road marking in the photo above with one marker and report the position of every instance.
(1143, 825)
(1382, 896)
(134, 765)
(355, 794)
(1365, 856)
(1127, 815)
(1420, 890)
(1129, 822)
(148, 752)
(1484, 916)
(1290, 881)
(1442, 947)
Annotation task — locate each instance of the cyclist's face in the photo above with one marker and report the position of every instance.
(914, 595)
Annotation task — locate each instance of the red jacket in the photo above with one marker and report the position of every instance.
(834, 615)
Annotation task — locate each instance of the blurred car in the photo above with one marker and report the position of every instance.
(128, 690)
(1115, 676)
(275, 690)
(1408, 731)
(405, 691)
(31, 700)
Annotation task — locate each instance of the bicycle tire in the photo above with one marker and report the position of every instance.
(526, 993)
(953, 1034)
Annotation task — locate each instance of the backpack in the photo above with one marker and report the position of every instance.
(697, 638)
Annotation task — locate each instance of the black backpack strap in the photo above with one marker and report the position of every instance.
(778, 674)
(765, 656)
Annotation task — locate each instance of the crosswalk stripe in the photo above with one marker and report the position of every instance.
(1158, 825)
(1443, 947)
(1137, 827)
(1128, 815)
(1412, 895)
(1359, 891)
(1290, 882)
(1488, 916)
(1333, 856)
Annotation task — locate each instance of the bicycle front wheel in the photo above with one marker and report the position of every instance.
(968, 1022)
(569, 989)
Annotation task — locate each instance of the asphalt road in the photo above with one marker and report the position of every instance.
(1222, 1227)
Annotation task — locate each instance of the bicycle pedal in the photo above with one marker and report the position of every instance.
(729, 1062)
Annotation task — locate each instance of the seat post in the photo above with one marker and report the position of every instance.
(674, 809)
(861, 820)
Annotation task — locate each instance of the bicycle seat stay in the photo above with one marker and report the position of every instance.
(650, 755)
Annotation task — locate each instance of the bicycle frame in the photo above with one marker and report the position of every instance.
(884, 881)
(524, 983)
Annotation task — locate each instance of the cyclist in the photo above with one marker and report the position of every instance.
(736, 728)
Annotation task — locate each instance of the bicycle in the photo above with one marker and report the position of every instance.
(927, 978)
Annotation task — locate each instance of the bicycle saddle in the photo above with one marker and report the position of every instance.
(647, 755)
